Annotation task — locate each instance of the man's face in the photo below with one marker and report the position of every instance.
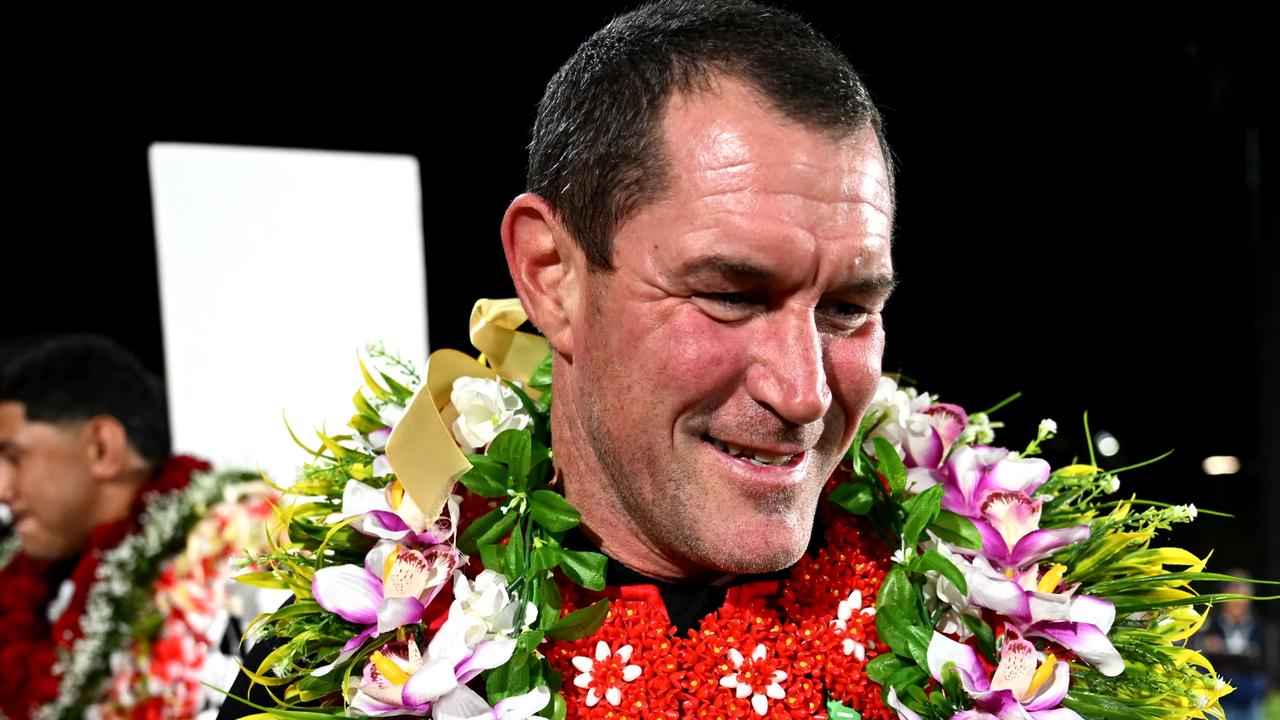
(44, 478)
(722, 369)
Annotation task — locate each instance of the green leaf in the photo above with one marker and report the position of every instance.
(365, 409)
(558, 707)
(583, 567)
(544, 558)
(508, 679)
(488, 528)
(402, 393)
(838, 711)
(898, 618)
(486, 478)
(362, 424)
(982, 631)
(918, 643)
(890, 465)
(906, 677)
(549, 604)
(552, 511)
(935, 561)
(281, 713)
(491, 556)
(580, 623)
(529, 640)
(925, 510)
(513, 447)
(541, 378)
(897, 594)
(854, 497)
(513, 556)
(956, 530)
(883, 666)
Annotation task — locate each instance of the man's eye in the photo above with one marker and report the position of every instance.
(730, 306)
(842, 316)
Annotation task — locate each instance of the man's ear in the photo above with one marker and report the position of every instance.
(107, 445)
(547, 266)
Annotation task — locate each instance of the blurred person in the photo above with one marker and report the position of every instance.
(1232, 639)
(84, 449)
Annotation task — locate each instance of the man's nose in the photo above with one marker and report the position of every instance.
(787, 372)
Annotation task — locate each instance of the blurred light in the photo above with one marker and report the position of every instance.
(1221, 465)
(1106, 443)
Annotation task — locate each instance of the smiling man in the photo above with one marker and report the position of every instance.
(706, 245)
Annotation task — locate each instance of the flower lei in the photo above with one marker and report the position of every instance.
(1013, 590)
(131, 639)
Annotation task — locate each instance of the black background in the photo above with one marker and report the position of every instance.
(1086, 207)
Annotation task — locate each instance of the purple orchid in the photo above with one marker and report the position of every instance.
(1035, 607)
(478, 635)
(391, 514)
(1025, 684)
(922, 431)
(392, 590)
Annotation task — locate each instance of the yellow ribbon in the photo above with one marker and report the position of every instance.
(421, 449)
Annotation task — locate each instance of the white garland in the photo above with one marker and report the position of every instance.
(8, 551)
(160, 524)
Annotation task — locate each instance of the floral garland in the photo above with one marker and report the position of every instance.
(1013, 590)
(142, 605)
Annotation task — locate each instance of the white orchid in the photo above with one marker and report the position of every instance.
(485, 408)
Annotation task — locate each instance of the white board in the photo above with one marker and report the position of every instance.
(275, 266)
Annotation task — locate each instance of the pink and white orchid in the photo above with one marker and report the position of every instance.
(921, 430)
(391, 514)
(1034, 605)
(478, 635)
(1011, 533)
(392, 590)
(1026, 683)
(398, 680)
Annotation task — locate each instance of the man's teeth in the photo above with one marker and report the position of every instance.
(752, 456)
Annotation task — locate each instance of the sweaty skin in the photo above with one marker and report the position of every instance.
(743, 320)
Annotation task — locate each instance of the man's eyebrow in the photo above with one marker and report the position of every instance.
(746, 271)
(876, 285)
(722, 266)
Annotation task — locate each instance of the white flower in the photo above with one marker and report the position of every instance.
(485, 610)
(607, 659)
(844, 613)
(760, 694)
(485, 408)
(1048, 427)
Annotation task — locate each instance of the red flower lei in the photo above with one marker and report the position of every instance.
(28, 643)
(775, 649)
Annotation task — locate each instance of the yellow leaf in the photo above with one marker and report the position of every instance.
(1079, 470)
(378, 391)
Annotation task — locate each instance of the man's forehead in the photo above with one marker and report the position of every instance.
(725, 130)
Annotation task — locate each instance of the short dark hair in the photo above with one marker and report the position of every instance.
(596, 154)
(75, 377)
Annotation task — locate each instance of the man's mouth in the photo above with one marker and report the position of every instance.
(752, 455)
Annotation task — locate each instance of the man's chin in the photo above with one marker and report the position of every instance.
(771, 544)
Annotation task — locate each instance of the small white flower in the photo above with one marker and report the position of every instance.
(585, 665)
(1113, 483)
(1048, 427)
(485, 408)
(760, 694)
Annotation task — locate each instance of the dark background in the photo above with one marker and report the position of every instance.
(1085, 215)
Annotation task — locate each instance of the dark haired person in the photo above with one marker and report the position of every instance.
(705, 242)
(84, 443)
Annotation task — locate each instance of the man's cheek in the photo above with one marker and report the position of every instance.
(854, 373)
